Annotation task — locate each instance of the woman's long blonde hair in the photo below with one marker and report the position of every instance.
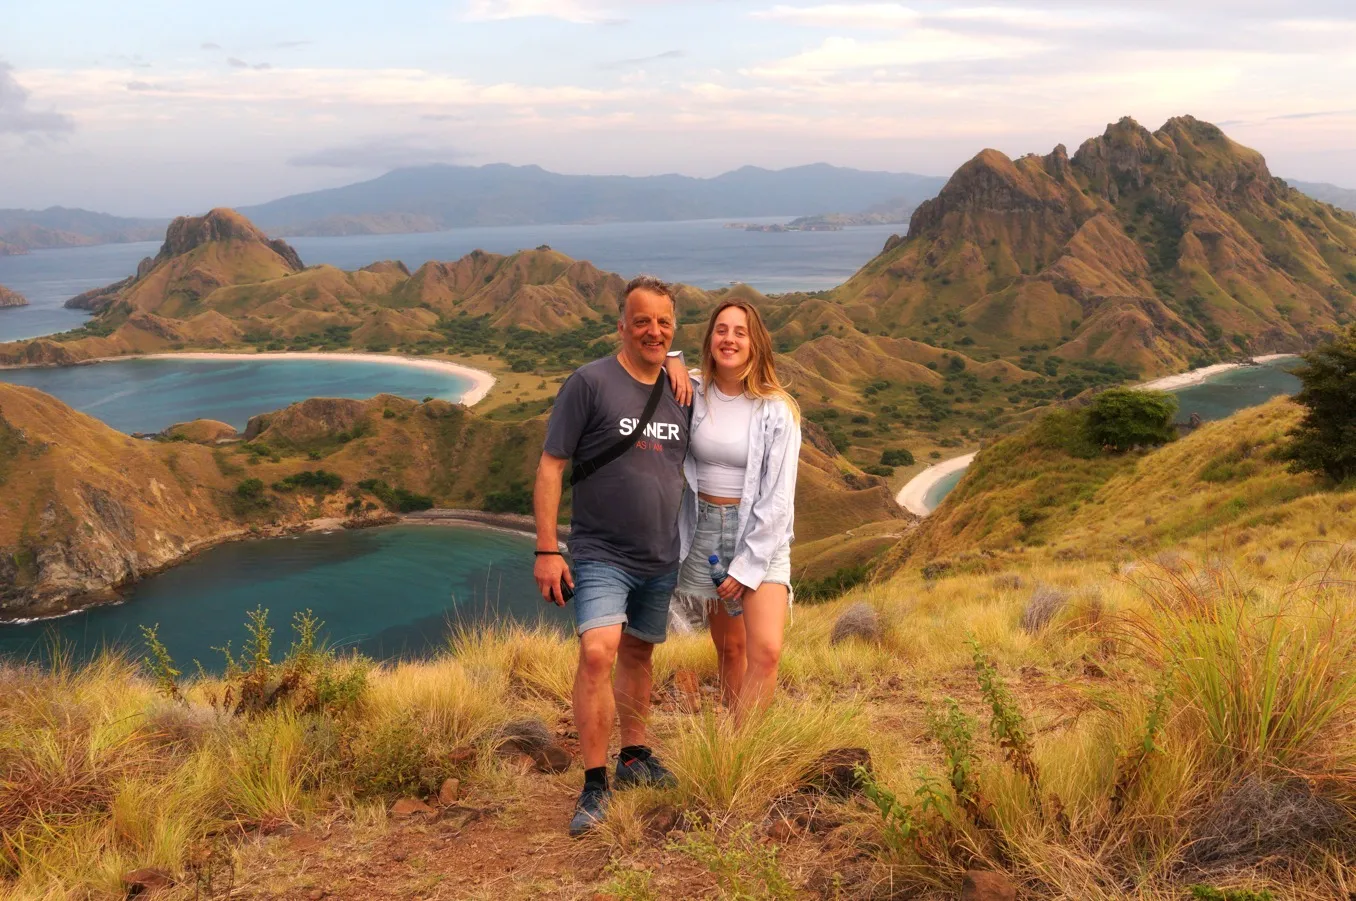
(759, 377)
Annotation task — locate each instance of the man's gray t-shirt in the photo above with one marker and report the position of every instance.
(625, 514)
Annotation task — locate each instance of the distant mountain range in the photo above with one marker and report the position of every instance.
(433, 198)
(25, 230)
(1319, 190)
(428, 198)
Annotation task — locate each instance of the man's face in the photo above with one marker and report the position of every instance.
(646, 326)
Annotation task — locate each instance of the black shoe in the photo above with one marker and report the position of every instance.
(589, 810)
(646, 771)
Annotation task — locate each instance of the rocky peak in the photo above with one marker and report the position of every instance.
(10, 298)
(1057, 162)
(990, 182)
(188, 232)
(1121, 157)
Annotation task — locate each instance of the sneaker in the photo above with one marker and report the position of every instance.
(648, 771)
(589, 810)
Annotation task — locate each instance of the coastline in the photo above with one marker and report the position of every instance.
(481, 381)
(913, 496)
(113, 595)
(1196, 376)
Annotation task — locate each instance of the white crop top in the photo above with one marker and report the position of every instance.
(720, 444)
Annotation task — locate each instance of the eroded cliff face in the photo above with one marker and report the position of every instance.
(10, 298)
(84, 508)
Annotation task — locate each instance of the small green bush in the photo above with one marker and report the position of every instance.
(1122, 418)
(319, 480)
(896, 456)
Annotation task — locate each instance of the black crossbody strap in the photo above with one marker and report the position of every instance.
(582, 470)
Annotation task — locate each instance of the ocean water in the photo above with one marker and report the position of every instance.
(702, 253)
(148, 395)
(390, 593)
(1219, 396)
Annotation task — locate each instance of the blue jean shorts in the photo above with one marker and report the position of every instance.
(717, 533)
(605, 595)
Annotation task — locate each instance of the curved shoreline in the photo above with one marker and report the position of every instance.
(1196, 376)
(481, 381)
(913, 496)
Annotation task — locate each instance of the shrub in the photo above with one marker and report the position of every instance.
(399, 500)
(319, 480)
(1325, 440)
(517, 498)
(896, 456)
(1121, 418)
(883, 471)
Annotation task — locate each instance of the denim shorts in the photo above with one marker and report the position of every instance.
(717, 531)
(605, 595)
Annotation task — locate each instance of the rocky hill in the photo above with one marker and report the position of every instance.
(1150, 250)
(10, 298)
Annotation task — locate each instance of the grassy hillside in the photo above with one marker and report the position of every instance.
(1222, 490)
(1079, 733)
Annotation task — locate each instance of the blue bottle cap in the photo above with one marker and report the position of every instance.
(713, 559)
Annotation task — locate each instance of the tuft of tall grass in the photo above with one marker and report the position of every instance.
(1271, 678)
(730, 770)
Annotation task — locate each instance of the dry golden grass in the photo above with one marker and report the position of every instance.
(1135, 780)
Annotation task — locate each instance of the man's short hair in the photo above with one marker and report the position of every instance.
(651, 283)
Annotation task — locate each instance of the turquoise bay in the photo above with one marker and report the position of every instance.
(147, 395)
(389, 593)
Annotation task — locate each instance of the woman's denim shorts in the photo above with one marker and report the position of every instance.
(717, 532)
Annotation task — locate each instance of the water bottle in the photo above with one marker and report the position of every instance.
(718, 573)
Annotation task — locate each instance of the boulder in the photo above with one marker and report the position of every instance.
(532, 738)
(449, 792)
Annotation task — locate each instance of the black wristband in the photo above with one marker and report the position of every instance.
(548, 553)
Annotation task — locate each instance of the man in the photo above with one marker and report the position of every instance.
(623, 537)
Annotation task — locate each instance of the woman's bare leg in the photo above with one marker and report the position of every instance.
(727, 632)
(764, 622)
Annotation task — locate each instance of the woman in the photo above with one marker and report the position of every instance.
(739, 502)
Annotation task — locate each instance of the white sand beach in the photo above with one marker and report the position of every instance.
(1196, 376)
(481, 381)
(913, 496)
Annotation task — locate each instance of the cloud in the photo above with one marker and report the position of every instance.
(442, 117)
(381, 152)
(289, 45)
(581, 12)
(915, 47)
(842, 15)
(16, 117)
(140, 86)
(262, 66)
(1317, 115)
(236, 63)
(642, 60)
(209, 46)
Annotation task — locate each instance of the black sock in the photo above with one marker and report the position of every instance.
(595, 777)
(634, 752)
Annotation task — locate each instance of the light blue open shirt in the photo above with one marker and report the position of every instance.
(767, 508)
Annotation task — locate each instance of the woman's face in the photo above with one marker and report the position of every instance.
(730, 345)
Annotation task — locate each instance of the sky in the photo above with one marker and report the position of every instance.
(158, 107)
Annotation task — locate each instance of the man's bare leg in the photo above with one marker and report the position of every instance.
(594, 708)
(632, 688)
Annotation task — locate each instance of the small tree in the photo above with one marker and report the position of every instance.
(1325, 439)
(1122, 418)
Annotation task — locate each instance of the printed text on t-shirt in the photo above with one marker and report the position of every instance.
(660, 431)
